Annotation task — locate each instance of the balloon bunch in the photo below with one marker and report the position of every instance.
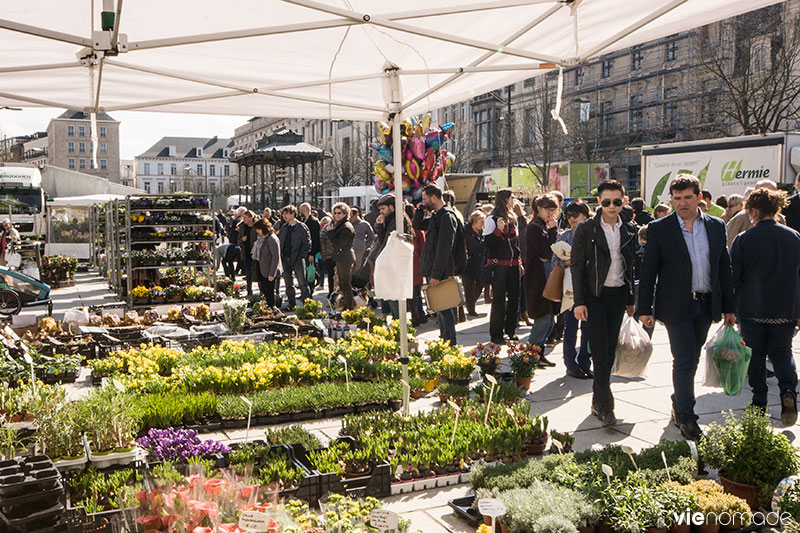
(423, 158)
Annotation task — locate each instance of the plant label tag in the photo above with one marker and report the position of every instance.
(627, 450)
(342, 359)
(454, 405)
(491, 379)
(511, 413)
(245, 400)
(118, 385)
(558, 445)
(608, 471)
(664, 458)
(383, 519)
(10, 333)
(27, 356)
(317, 323)
(254, 521)
(491, 507)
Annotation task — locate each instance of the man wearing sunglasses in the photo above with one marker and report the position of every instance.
(603, 252)
(686, 261)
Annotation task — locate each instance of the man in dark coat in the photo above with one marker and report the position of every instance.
(437, 261)
(686, 261)
(309, 218)
(295, 247)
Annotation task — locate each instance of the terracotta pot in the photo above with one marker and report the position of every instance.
(536, 449)
(504, 528)
(707, 528)
(417, 394)
(683, 528)
(587, 529)
(523, 383)
(443, 397)
(750, 493)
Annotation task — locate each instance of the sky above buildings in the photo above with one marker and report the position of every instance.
(138, 130)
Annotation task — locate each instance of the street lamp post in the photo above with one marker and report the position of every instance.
(508, 126)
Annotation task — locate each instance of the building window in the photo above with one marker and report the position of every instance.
(710, 101)
(70, 131)
(760, 57)
(160, 187)
(173, 169)
(103, 164)
(81, 131)
(608, 67)
(71, 147)
(637, 57)
(147, 187)
(82, 148)
(608, 120)
(671, 116)
(226, 170)
(637, 119)
(672, 50)
(147, 169)
(71, 162)
(160, 169)
(82, 164)
(671, 92)
(199, 170)
(91, 164)
(579, 72)
(212, 188)
(464, 112)
(103, 148)
(212, 170)
(482, 130)
(103, 131)
(173, 187)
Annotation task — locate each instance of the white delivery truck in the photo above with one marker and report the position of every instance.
(723, 166)
(22, 197)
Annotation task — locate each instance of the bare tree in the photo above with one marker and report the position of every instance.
(540, 135)
(754, 64)
(348, 164)
(460, 145)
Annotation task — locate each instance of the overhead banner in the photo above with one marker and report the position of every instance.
(725, 172)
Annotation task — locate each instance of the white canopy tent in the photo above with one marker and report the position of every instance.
(333, 59)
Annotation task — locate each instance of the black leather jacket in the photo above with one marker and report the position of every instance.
(591, 259)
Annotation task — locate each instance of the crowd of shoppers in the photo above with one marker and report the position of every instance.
(687, 263)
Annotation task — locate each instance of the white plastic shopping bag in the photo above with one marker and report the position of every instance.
(633, 349)
(394, 270)
(77, 316)
(13, 259)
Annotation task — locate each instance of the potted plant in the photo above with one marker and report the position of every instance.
(536, 438)
(457, 367)
(566, 440)
(141, 294)
(712, 501)
(416, 386)
(487, 357)
(523, 358)
(113, 419)
(173, 293)
(751, 458)
(158, 294)
(458, 393)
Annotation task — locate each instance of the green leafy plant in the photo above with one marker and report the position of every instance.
(293, 435)
(747, 450)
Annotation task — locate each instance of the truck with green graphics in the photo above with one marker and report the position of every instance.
(723, 166)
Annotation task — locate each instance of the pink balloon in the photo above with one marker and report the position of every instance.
(418, 147)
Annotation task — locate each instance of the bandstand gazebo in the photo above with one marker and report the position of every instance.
(277, 169)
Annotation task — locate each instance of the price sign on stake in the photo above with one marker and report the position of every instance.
(608, 471)
(249, 416)
(29, 360)
(346, 376)
(383, 520)
(558, 445)
(455, 426)
(254, 521)
(629, 452)
(493, 381)
(492, 508)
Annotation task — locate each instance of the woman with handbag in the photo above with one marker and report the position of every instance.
(540, 235)
(578, 362)
(503, 265)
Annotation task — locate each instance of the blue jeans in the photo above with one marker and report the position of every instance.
(576, 359)
(686, 339)
(541, 329)
(775, 341)
(447, 325)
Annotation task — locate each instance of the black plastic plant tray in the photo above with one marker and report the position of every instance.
(31, 474)
(462, 507)
(44, 498)
(39, 520)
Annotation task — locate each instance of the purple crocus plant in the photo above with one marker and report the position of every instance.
(178, 444)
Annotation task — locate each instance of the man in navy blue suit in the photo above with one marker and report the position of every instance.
(686, 260)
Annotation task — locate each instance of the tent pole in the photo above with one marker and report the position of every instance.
(399, 218)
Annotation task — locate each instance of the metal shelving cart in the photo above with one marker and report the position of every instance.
(187, 212)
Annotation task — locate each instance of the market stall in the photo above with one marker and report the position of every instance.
(69, 225)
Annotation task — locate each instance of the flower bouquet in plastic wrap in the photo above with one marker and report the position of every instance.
(727, 361)
(235, 312)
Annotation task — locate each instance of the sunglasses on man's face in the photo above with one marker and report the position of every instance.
(607, 202)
